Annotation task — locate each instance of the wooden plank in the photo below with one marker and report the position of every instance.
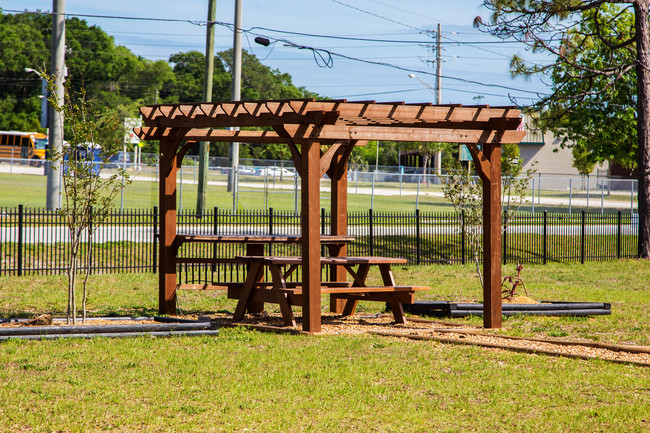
(167, 233)
(339, 212)
(222, 120)
(310, 223)
(492, 240)
(326, 288)
(258, 239)
(351, 261)
(329, 134)
(209, 260)
(254, 277)
(279, 285)
(216, 286)
(244, 111)
(336, 132)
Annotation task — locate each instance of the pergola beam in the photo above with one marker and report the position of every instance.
(332, 133)
(241, 113)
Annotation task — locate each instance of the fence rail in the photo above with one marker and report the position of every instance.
(35, 241)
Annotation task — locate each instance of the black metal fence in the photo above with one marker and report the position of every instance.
(35, 241)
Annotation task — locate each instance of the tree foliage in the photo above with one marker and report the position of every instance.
(595, 114)
(116, 80)
(600, 76)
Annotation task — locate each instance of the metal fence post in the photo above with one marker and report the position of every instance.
(544, 237)
(20, 239)
(618, 236)
(322, 229)
(322, 221)
(155, 239)
(180, 204)
(632, 197)
(533, 200)
(417, 236)
(215, 230)
(505, 243)
(271, 220)
(582, 240)
(371, 240)
(462, 237)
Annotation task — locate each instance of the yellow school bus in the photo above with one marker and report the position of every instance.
(23, 145)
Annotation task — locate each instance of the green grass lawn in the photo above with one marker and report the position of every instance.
(250, 381)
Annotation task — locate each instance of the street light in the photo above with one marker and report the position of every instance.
(43, 97)
(435, 92)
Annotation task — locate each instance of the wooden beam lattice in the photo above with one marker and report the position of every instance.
(305, 125)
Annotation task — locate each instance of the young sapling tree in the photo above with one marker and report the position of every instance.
(465, 192)
(93, 136)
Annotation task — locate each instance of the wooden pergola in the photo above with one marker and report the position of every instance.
(320, 136)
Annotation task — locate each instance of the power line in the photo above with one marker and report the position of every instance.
(268, 29)
(376, 15)
(322, 56)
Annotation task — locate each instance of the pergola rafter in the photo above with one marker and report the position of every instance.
(305, 125)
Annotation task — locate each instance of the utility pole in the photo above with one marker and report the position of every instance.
(204, 146)
(438, 88)
(236, 90)
(55, 138)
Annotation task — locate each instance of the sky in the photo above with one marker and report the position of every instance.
(474, 67)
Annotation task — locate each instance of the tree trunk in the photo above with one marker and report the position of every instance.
(642, 25)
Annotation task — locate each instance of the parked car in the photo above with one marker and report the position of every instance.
(245, 170)
(275, 171)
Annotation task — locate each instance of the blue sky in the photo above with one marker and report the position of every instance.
(468, 55)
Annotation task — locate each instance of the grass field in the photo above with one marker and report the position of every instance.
(250, 381)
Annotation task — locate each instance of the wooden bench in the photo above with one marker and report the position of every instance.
(255, 291)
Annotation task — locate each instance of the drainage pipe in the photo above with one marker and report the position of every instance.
(105, 329)
(112, 335)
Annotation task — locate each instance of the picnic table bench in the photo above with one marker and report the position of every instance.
(255, 291)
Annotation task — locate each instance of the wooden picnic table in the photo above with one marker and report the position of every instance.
(255, 291)
(254, 244)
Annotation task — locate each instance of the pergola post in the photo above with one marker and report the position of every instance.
(310, 217)
(492, 238)
(167, 232)
(339, 221)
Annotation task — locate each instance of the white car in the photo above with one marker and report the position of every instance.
(246, 170)
(276, 171)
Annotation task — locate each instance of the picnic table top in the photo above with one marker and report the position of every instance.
(294, 260)
(260, 239)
